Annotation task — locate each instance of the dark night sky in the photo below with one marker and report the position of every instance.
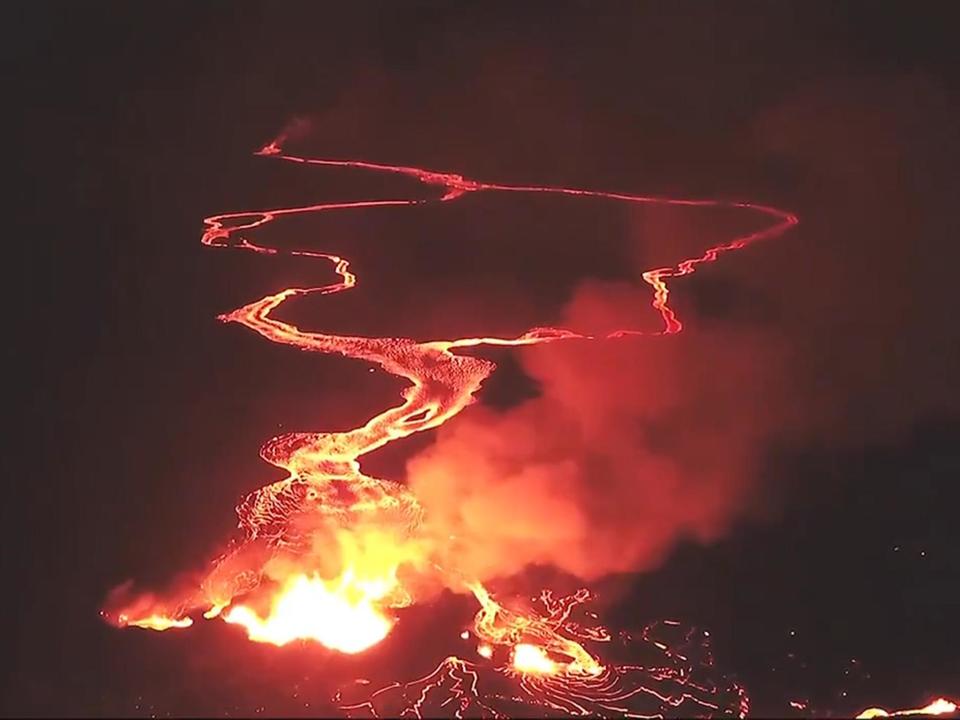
(136, 417)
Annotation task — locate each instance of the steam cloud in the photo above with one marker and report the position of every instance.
(636, 444)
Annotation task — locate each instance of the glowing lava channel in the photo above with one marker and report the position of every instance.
(442, 382)
(349, 610)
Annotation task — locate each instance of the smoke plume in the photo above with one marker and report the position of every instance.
(636, 444)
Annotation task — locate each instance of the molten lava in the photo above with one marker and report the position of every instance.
(940, 706)
(342, 614)
(157, 622)
(533, 659)
(323, 550)
(532, 636)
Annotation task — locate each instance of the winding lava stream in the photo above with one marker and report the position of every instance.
(324, 477)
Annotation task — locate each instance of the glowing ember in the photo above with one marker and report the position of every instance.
(341, 614)
(940, 706)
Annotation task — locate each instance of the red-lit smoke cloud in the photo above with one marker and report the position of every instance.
(631, 446)
(831, 336)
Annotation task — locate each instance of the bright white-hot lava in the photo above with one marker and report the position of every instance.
(940, 706)
(533, 659)
(342, 614)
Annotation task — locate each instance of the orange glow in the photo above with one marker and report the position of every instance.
(341, 614)
(940, 706)
(532, 659)
(485, 650)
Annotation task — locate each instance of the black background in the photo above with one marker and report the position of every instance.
(133, 417)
